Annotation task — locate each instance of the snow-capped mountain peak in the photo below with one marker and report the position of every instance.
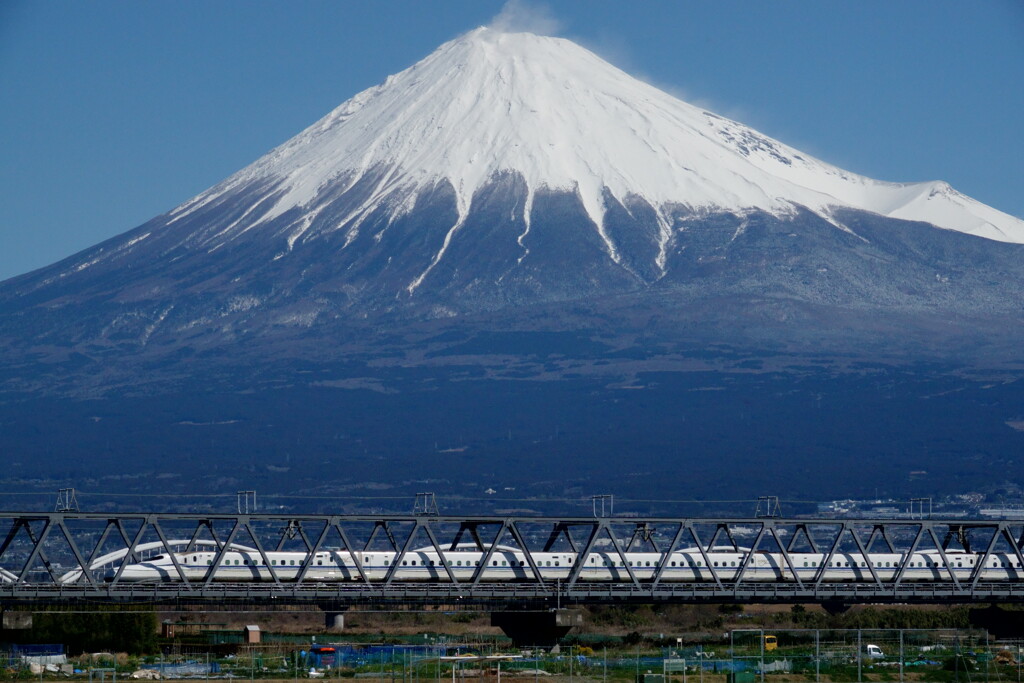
(554, 113)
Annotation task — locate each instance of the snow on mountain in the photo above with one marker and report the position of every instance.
(549, 110)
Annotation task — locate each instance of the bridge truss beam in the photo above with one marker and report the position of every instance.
(69, 556)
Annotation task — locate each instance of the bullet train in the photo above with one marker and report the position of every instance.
(510, 565)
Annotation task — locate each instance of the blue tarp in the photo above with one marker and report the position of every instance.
(355, 656)
(190, 668)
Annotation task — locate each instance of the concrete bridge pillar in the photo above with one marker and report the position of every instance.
(334, 619)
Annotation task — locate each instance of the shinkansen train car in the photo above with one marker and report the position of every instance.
(509, 564)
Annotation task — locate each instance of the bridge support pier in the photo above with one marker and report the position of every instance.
(542, 628)
(835, 607)
(334, 619)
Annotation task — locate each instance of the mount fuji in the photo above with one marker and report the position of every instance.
(503, 169)
(514, 207)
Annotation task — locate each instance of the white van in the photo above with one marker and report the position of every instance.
(873, 652)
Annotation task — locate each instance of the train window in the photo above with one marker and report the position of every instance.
(886, 564)
(477, 563)
(209, 562)
(503, 563)
(959, 564)
(549, 563)
(805, 564)
(732, 564)
(319, 563)
(413, 563)
(569, 560)
(556, 563)
(716, 563)
(494, 563)
(673, 564)
(648, 564)
(293, 563)
(406, 562)
(387, 562)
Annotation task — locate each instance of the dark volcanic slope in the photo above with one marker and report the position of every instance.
(160, 287)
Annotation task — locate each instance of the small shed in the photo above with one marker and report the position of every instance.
(252, 634)
(167, 627)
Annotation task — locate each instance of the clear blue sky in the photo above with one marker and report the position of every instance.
(115, 111)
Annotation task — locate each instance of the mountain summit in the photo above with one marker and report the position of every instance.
(508, 169)
(560, 118)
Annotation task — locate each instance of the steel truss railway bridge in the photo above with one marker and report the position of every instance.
(61, 558)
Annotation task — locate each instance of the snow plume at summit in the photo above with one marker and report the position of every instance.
(518, 16)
